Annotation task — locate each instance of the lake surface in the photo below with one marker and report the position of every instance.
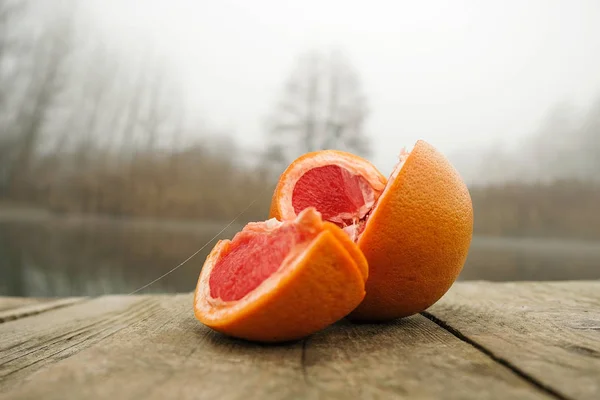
(49, 256)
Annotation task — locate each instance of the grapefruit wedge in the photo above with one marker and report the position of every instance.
(415, 230)
(279, 281)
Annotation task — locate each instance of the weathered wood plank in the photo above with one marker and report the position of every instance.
(9, 302)
(153, 348)
(549, 331)
(31, 343)
(20, 307)
(164, 352)
(410, 358)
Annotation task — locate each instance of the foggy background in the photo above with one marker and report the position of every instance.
(132, 132)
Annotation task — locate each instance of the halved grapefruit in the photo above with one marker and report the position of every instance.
(415, 231)
(279, 281)
(343, 187)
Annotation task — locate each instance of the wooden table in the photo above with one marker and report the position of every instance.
(481, 341)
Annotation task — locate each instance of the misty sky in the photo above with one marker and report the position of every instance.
(460, 74)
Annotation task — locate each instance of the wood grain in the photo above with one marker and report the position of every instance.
(31, 343)
(549, 331)
(20, 307)
(410, 358)
(152, 347)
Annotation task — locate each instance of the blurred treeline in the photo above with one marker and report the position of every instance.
(87, 128)
(550, 185)
(564, 208)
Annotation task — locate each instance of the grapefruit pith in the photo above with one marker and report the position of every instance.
(279, 281)
(415, 232)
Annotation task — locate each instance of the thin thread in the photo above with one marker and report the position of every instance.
(197, 251)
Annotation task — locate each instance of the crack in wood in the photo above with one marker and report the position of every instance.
(303, 360)
(513, 368)
(101, 325)
(57, 353)
(35, 309)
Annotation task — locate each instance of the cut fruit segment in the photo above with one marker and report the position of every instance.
(341, 186)
(278, 281)
(415, 232)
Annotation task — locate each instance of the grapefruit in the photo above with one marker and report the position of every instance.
(414, 230)
(279, 281)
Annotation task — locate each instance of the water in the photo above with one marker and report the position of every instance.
(73, 256)
(530, 259)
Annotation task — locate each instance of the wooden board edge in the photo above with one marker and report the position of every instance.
(37, 308)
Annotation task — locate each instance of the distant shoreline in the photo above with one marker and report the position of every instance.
(27, 214)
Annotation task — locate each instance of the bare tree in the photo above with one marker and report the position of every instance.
(557, 135)
(564, 148)
(590, 137)
(322, 107)
(12, 56)
(42, 78)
